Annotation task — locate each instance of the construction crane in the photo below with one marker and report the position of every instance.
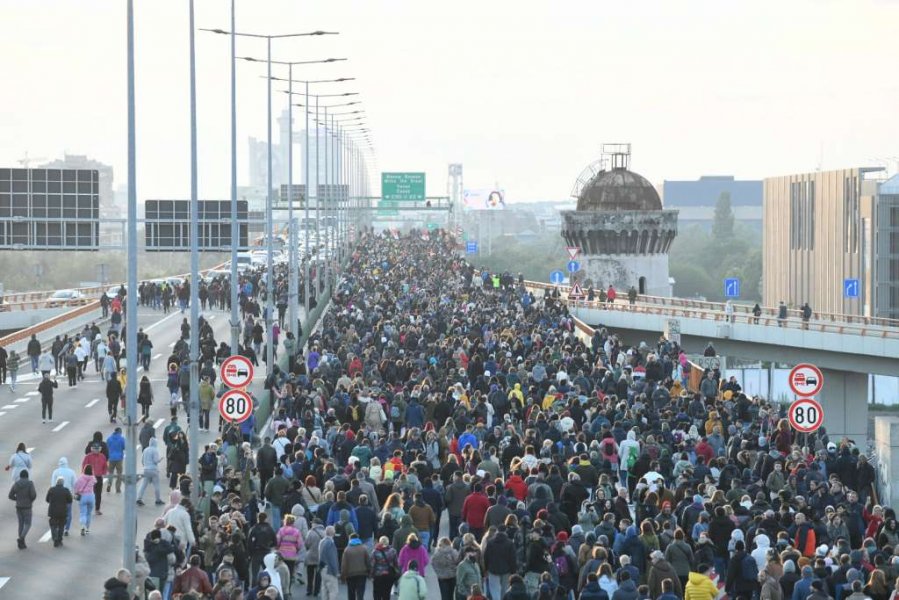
(25, 162)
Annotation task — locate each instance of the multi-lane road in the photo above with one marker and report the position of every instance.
(78, 569)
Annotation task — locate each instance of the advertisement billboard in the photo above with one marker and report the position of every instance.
(484, 199)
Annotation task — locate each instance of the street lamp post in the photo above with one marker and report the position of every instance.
(269, 309)
(194, 400)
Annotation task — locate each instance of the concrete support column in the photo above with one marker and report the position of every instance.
(845, 402)
(886, 441)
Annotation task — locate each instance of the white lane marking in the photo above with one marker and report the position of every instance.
(158, 423)
(2, 413)
(45, 538)
(159, 322)
(91, 403)
(34, 393)
(9, 406)
(29, 450)
(20, 400)
(210, 317)
(155, 356)
(60, 426)
(172, 345)
(3, 581)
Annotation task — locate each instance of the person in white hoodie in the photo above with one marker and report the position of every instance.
(68, 481)
(179, 518)
(760, 554)
(150, 460)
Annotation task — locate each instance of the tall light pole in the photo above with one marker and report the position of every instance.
(235, 225)
(268, 196)
(130, 533)
(194, 401)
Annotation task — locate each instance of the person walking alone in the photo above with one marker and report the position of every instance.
(113, 394)
(24, 495)
(150, 460)
(34, 352)
(59, 499)
(46, 388)
(12, 365)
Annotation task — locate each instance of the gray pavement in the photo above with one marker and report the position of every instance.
(79, 568)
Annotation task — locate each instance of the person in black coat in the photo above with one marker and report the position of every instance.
(59, 499)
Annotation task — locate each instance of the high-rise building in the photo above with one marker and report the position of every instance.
(818, 240)
(886, 269)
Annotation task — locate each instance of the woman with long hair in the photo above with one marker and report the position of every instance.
(84, 495)
(394, 506)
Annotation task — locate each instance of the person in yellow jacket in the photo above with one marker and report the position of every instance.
(516, 395)
(207, 397)
(700, 585)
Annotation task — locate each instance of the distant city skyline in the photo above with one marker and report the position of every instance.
(518, 92)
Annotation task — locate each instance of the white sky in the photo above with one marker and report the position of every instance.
(521, 92)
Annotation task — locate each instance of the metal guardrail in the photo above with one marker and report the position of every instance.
(676, 307)
(37, 329)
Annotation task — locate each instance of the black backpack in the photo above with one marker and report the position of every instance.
(341, 537)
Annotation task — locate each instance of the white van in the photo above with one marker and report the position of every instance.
(244, 261)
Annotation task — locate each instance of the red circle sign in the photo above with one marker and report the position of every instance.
(806, 380)
(806, 415)
(236, 371)
(236, 406)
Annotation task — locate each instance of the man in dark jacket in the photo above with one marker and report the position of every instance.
(500, 562)
(742, 574)
(34, 352)
(59, 499)
(24, 495)
(156, 551)
(455, 496)
(266, 460)
(260, 540)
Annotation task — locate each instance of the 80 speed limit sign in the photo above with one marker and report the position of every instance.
(235, 406)
(806, 415)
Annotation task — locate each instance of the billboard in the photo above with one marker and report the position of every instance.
(484, 199)
(49, 209)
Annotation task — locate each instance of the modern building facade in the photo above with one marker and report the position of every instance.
(695, 200)
(886, 255)
(818, 232)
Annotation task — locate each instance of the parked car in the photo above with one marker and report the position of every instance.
(64, 298)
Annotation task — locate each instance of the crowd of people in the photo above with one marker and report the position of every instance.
(440, 426)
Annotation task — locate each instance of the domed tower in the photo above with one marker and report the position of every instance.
(620, 226)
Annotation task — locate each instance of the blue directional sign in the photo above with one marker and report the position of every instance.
(574, 266)
(471, 247)
(732, 287)
(850, 288)
(557, 278)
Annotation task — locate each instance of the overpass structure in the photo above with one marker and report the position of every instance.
(846, 348)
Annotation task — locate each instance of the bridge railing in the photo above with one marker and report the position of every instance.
(739, 308)
(678, 307)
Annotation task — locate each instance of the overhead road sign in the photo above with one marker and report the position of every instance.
(732, 287)
(557, 278)
(574, 266)
(235, 406)
(806, 380)
(471, 247)
(850, 288)
(236, 371)
(806, 415)
(397, 187)
(573, 252)
(168, 225)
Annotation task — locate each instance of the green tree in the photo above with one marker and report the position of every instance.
(723, 225)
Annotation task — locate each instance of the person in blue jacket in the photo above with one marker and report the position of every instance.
(116, 445)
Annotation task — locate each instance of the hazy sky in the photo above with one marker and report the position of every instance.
(521, 92)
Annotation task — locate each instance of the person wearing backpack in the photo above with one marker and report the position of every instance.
(564, 566)
(629, 452)
(742, 574)
(383, 570)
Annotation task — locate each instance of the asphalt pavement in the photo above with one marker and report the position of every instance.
(79, 568)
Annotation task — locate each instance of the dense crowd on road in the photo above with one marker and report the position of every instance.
(448, 422)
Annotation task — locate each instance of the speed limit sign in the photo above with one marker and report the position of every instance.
(235, 406)
(806, 415)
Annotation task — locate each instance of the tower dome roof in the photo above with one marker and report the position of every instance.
(618, 189)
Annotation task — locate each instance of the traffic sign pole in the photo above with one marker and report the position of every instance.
(805, 380)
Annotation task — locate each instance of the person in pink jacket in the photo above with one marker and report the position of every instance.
(97, 461)
(84, 495)
(290, 543)
(413, 550)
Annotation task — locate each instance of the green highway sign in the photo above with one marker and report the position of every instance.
(432, 226)
(397, 187)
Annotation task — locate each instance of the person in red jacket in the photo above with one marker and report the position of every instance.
(97, 460)
(517, 485)
(474, 511)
